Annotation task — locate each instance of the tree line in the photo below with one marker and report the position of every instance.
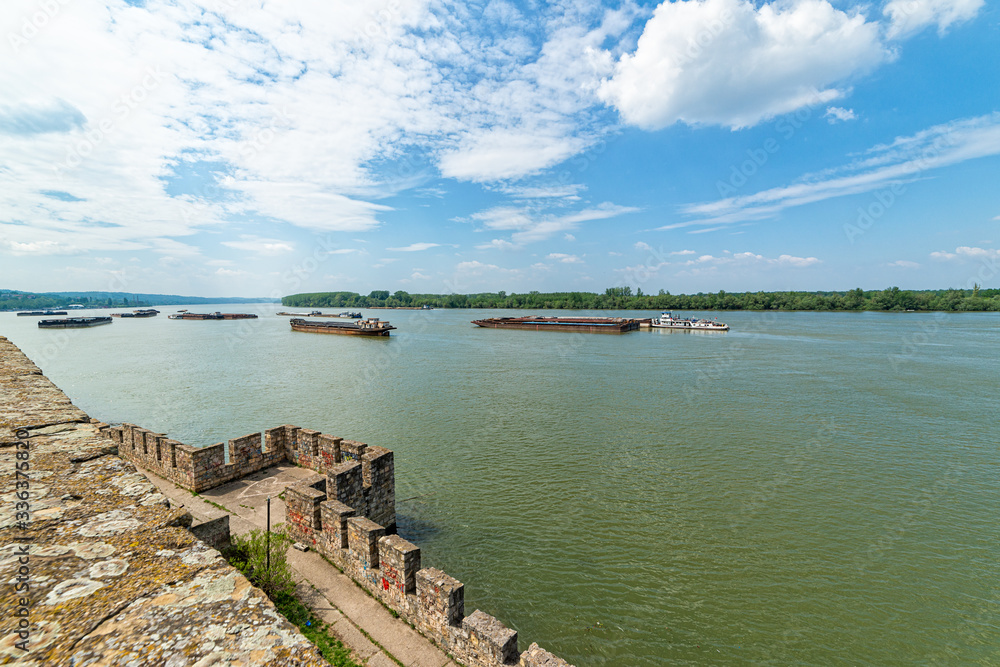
(622, 298)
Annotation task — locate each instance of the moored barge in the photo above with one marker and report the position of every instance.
(144, 312)
(36, 313)
(370, 327)
(613, 325)
(348, 315)
(212, 316)
(74, 322)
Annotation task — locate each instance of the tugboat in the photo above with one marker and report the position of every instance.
(668, 321)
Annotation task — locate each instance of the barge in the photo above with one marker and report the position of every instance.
(37, 313)
(74, 322)
(347, 315)
(144, 312)
(370, 327)
(181, 315)
(613, 325)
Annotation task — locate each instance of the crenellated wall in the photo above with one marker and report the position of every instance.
(349, 516)
(365, 476)
(389, 568)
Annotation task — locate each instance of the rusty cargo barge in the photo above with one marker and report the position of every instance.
(611, 325)
(212, 316)
(370, 327)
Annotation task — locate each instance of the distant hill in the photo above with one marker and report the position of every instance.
(21, 300)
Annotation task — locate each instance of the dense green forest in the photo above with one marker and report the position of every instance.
(622, 298)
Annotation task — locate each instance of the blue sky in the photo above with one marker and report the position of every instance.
(237, 148)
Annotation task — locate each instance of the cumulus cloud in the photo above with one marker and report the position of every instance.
(734, 63)
(642, 245)
(903, 264)
(907, 17)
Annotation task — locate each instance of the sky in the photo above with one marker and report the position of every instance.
(259, 148)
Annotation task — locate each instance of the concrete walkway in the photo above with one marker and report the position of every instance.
(377, 638)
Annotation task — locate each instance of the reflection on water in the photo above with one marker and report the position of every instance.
(808, 488)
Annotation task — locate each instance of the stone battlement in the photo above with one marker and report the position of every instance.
(349, 516)
(365, 474)
(389, 568)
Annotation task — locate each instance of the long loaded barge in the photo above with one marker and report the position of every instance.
(145, 312)
(349, 315)
(613, 325)
(370, 327)
(36, 313)
(212, 316)
(74, 322)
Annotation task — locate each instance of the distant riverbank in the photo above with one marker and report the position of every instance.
(892, 299)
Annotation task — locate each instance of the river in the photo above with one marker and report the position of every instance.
(808, 488)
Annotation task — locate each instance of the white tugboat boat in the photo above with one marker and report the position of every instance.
(668, 321)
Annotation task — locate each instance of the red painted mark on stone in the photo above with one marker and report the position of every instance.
(385, 584)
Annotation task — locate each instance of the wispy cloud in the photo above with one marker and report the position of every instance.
(903, 160)
(564, 258)
(260, 246)
(415, 247)
(967, 253)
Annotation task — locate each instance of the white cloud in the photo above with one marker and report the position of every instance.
(907, 17)
(901, 161)
(260, 246)
(416, 275)
(839, 114)
(529, 226)
(344, 251)
(903, 264)
(683, 252)
(967, 253)
(569, 237)
(642, 245)
(415, 247)
(497, 244)
(494, 154)
(733, 63)
(564, 258)
(230, 273)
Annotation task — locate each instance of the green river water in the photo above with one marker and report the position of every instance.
(808, 488)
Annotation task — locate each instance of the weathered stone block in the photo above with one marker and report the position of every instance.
(441, 597)
(536, 656)
(362, 539)
(490, 639)
(334, 515)
(399, 561)
(344, 483)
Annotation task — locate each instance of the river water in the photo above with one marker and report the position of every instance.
(808, 488)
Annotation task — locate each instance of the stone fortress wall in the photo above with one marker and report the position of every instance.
(349, 516)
